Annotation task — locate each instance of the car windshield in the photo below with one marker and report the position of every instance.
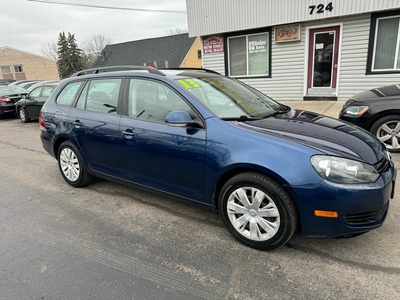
(228, 98)
(12, 89)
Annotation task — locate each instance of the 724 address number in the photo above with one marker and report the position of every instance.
(320, 8)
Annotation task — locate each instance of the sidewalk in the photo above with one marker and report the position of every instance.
(328, 108)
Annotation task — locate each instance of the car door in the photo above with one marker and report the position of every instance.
(32, 107)
(154, 154)
(94, 122)
(40, 100)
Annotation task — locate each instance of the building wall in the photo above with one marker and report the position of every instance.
(207, 17)
(214, 62)
(34, 66)
(288, 66)
(192, 59)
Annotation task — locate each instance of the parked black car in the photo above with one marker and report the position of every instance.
(378, 111)
(29, 107)
(9, 95)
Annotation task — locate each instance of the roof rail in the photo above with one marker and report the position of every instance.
(194, 69)
(116, 68)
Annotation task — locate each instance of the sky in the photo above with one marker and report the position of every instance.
(29, 26)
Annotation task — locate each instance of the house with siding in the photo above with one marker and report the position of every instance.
(172, 51)
(20, 65)
(300, 50)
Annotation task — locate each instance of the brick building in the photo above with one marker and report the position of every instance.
(20, 65)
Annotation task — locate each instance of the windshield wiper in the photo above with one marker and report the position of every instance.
(276, 112)
(240, 118)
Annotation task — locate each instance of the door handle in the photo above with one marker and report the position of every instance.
(128, 133)
(77, 123)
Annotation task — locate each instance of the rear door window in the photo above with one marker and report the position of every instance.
(68, 94)
(100, 95)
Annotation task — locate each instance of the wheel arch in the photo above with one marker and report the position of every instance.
(58, 143)
(382, 114)
(231, 172)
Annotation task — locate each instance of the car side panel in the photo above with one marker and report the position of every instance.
(171, 159)
(98, 137)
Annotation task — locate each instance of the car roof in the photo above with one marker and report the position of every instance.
(136, 70)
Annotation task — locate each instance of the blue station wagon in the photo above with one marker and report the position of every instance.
(198, 136)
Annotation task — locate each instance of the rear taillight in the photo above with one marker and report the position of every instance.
(4, 99)
(41, 123)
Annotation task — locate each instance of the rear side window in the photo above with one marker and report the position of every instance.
(100, 95)
(47, 90)
(68, 94)
(36, 92)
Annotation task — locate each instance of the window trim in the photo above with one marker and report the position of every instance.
(72, 104)
(18, 66)
(247, 33)
(375, 17)
(9, 67)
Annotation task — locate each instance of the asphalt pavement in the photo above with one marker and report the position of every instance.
(110, 241)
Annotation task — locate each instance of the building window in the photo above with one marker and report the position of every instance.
(248, 55)
(199, 54)
(6, 70)
(18, 69)
(384, 43)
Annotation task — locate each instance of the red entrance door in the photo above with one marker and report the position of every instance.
(323, 52)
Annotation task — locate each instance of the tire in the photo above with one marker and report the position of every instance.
(72, 166)
(264, 226)
(387, 130)
(23, 116)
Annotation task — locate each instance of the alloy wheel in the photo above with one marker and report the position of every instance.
(22, 115)
(389, 134)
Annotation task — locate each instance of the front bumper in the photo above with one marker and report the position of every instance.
(360, 208)
(363, 121)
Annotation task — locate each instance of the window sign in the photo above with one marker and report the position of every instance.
(258, 57)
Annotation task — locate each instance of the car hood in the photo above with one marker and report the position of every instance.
(325, 134)
(388, 92)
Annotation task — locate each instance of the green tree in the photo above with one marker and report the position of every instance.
(75, 53)
(69, 55)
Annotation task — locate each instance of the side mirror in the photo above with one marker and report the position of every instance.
(179, 118)
(23, 96)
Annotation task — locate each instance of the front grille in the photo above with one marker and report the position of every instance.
(382, 166)
(367, 217)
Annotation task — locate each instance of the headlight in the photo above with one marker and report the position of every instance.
(356, 110)
(342, 170)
